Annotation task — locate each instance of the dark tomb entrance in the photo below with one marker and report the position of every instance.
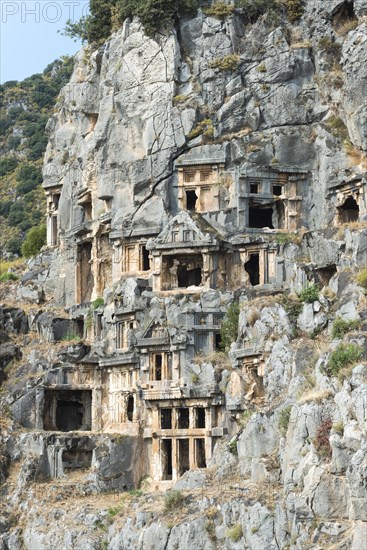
(252, 267)
(67, 410)
(260, 217)
(349, 211)
(130, 408)
(191, 200)
(188, 277)
(145, 258)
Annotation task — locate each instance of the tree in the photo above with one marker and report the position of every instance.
(154, 14)
(35, 240)
(28, 178)
(229, 328)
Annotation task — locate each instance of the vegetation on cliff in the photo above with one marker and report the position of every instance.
(107, 16)
(25, 108)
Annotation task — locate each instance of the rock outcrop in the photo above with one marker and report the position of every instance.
(199, 315)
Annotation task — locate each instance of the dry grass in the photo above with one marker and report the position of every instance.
(301, 44)
(355, 157)
(217, 358)
(253, 147)
(245, 131)
(252, 316)
(344, 28)
(315, 396)
(17, 266)
(352, 226)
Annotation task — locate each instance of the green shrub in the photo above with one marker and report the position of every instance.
(342, 326)
(14, 245)
(284, 418)
(226, 63)
(309, 294)
(235, 532)
(232, 447)
(204, 128)
(255, 8)
(8, 277)
(283, 238)
(292, 307)
(35, 240)
(70, 337)
(179, 99)
(219, 9)
(362, 278)
(173, 499)
(344, 356)
(332, 48)
(106, 16)
(229, 328)
(28, 178)
(98, 302)
(113, 511)
(295, 9)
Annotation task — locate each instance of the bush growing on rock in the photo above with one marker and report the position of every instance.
(309, 294)
(173, 499)
(204, 128)
(226, 63)
(107, 16)
(362, 278)
(342, 326)
(344, 356)
(229, 328)
(8, 277)
(284, 418)
(219, 9)
(235, 532)
(255, 8)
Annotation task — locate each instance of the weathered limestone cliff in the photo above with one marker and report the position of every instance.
(197, 320)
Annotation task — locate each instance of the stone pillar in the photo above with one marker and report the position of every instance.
(40, 404)
(174, 459)
(97, 421)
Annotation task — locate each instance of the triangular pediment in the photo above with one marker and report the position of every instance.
(155, 330)
(183, 229)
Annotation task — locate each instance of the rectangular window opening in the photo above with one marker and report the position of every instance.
(200, 458)
(277, 190)
(183, 418)
(145, 260)
(166, 458)
(191, 200)
(166, 419)
(183, 452)
(261, 217)
(200, 417)
(218, 341)
(98, 327)
(158, 366)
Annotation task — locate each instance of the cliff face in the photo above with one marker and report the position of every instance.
(286, 98)
(207, 236)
